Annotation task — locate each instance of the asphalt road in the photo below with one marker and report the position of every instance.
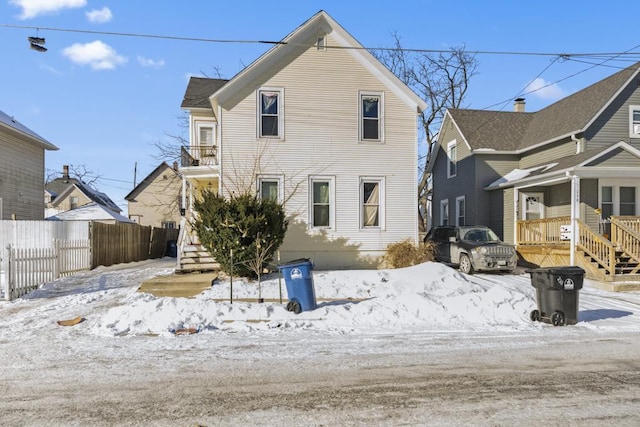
(414, 379)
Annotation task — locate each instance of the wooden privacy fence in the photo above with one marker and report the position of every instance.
(119, 243)
(27, 268)
(30, 257)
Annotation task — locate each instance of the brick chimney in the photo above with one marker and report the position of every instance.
(65, 173)
(518, 105)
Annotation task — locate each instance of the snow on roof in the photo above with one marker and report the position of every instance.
(91, 212)
(518, 174)
(13, 123)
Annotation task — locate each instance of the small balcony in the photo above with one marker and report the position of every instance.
(195, 156)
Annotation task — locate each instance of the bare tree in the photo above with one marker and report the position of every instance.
(441, 80)
(79, 172)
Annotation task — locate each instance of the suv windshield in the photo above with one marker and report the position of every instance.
(478, 235)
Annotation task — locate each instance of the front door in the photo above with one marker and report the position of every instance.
(532, 206)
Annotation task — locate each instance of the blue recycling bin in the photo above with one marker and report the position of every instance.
(299, 281)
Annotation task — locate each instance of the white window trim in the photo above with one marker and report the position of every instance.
(458, 199)
(332, 201)
(453, 143)
(380, 139)
(634, 131)
(270, 178)
(615, 185)
(381, 202)
(443, 203)
(199, 124)
(280, 91)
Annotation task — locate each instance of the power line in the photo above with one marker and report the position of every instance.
(565, 55)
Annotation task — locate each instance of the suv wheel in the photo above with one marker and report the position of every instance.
(465, 264)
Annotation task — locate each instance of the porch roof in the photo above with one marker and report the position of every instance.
(549, 170)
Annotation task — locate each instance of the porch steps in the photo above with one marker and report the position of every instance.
(196, 258)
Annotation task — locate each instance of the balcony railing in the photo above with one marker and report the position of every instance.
(206, 155)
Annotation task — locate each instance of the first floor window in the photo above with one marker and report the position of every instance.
(444, 212)
(321, 202)
(460, 211)
(270, 187)
(371, 198)
(169, 225)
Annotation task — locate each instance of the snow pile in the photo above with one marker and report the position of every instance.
(427, 296)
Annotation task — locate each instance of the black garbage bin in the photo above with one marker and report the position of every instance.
(557, 291)
(172, 248)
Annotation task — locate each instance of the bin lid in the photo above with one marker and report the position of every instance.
(295, 262)
(568, 270)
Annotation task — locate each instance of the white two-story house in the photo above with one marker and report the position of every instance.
(322, 126)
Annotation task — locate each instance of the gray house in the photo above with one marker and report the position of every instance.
(21, 170)
(560, 183)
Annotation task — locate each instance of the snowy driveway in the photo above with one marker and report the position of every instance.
(414, 345)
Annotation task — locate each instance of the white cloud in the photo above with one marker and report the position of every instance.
(146, 62)
(99, 15)
(33, 8)
(98, 55)
(545, 90)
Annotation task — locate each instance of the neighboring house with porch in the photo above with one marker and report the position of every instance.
(156, 200)
(66, 193)
(22, 155)
(560, 183)
(323, 127)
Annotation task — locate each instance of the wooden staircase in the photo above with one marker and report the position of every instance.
(194, 257)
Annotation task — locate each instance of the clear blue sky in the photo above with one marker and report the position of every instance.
(104, 100)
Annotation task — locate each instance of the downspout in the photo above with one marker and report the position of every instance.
(578, 142)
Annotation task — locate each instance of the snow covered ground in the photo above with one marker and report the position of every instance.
(359, 313)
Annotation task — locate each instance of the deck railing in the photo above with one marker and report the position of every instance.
(542, 231)
(624, 232)
(597, 247)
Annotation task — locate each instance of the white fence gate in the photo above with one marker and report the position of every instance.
(35, 252)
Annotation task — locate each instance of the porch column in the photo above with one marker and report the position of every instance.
(575, 215)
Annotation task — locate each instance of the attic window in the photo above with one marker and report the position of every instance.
(321, 43)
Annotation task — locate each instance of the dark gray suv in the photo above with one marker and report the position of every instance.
(472, 248)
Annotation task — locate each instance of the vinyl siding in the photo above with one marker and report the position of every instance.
(490, 167)
(159, 201)
(589, 198)
(21, 178)
(548, 153)
(613, 124)
(618, 158)
(508, 219)
(446, 188)
(321, 138)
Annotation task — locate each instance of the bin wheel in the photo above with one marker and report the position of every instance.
(465, 264)
(557, 318)
(295, 307)
(535, 316)
(290, 306)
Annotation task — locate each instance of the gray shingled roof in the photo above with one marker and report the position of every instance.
(199, 90)
(507, 131)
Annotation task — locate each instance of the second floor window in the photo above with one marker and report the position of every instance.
(371, 117)
(452, 156)
(634, 121)
(74, 202)
(270, 114)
